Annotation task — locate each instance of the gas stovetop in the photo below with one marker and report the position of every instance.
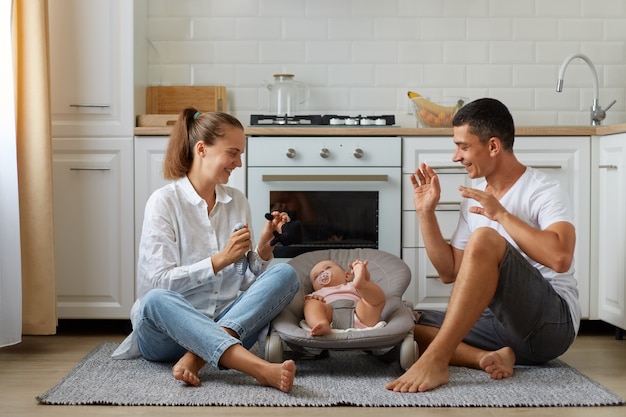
(321, 120)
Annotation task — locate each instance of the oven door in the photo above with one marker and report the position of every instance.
(335, 207)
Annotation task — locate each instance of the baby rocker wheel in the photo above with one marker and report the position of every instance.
(273, 348)
(408, 352)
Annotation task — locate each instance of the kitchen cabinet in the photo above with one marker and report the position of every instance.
(564, 158)
(93, 227)
(609, 183)
(91, 78)
(91, 67)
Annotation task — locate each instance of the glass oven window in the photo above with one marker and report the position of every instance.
(328, 219)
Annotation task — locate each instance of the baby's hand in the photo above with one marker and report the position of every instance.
(314, 297)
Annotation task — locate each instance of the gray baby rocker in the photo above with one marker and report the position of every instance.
(393, 340)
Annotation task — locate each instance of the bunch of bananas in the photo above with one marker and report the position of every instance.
(433, 114)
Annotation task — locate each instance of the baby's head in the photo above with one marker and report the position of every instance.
(328, 274)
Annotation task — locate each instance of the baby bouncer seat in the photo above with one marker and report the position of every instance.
(392, 340)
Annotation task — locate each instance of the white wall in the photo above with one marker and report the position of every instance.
(361, 56)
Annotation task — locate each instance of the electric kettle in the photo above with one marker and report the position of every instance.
(286, 94)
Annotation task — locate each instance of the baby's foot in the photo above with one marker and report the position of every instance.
(321, 329)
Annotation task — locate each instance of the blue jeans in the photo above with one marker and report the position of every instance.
(170, 326)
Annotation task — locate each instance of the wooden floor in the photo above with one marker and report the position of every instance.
(35, 365)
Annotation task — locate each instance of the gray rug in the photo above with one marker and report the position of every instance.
(345, 378)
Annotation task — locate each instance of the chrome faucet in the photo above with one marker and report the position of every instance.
(597, 113)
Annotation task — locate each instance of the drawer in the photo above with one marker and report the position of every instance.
(450, 194)
(411, 234)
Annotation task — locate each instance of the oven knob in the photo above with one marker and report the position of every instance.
(324, 153)
(291, 153)
(358, 153)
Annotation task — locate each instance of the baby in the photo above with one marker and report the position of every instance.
(330, 283)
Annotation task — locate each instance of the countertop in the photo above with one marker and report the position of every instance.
(401, 131)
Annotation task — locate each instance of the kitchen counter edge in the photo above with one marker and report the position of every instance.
(401, 131)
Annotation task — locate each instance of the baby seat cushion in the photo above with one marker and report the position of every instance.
(386, 270)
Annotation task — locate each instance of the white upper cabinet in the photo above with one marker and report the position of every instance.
(91, 67)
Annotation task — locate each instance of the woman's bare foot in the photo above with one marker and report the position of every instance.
(424, 375)
(279, 375)
(321, 329)
(499, 363)
(187, 369)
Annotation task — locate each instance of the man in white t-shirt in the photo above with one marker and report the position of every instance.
(510, 258)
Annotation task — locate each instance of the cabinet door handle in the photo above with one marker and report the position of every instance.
(90, 105)
(609, 166)
(546, 166)
(325, 178)
(454, 167)
(90, 169)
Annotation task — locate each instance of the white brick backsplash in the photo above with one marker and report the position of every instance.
(527, 77)
(512, 8)
(570, 29)
(535, 29)
(443, 29)
(361, 56)
(557, 8)
(485, 29)
(374, 52)
(278, 52)
(282, 8)
(169, 29)
(394, 29)
(329, 52)
(466, 52)
(305, 29)
(518, 52)
(216, 29)
(351, 75)
(262, 28)
(489, 75)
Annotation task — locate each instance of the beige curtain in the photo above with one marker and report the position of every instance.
(34, 162)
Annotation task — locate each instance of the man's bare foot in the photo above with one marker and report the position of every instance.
(279, 375)
(321, 329)
(498, 364)
(424, 375)
(187, 369)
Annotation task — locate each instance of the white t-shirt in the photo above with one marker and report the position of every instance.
(540, 201)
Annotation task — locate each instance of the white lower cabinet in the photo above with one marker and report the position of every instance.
(609, 209)
(93, 227)
(565, 158)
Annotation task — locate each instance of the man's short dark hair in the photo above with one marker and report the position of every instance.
(486, 118)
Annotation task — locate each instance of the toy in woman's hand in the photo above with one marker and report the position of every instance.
(290, 232)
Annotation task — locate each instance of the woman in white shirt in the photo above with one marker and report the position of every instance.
(194, 303)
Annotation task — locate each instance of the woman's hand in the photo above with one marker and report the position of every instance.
(238, 244)
(275, 224)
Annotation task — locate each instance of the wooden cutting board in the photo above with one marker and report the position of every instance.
(173, 99)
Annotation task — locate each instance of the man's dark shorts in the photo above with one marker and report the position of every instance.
(525, 314)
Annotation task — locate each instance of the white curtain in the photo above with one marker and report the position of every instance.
(10, 259)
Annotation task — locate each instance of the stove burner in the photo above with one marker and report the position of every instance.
(321, 120)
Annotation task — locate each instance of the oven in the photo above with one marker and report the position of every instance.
(340, 192)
